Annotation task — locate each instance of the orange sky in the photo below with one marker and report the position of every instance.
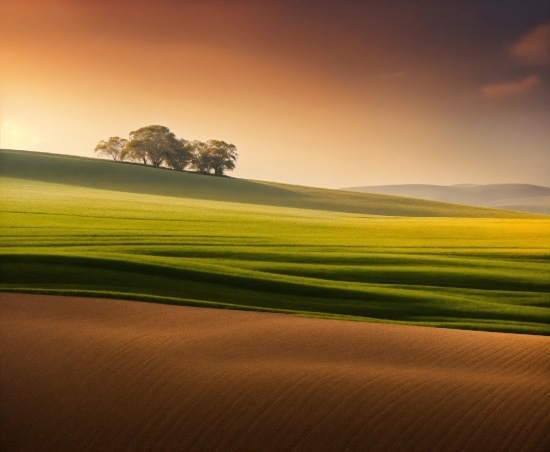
(322, 93)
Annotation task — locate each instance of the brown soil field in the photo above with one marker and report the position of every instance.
(97, 374)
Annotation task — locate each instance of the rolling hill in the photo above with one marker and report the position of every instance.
(76, 226)
(103, 375)
(135, 178)
(520, 197)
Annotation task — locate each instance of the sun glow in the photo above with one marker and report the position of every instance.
(16, 136)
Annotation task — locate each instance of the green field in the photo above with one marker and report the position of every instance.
(72, 225)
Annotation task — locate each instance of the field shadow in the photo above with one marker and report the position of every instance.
(138, 178)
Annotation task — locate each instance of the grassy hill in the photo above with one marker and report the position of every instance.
(521, 197)
(61, 236)
(134, 178)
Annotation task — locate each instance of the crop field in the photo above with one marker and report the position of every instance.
(328, 258)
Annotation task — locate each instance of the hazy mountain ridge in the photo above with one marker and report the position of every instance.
(521, 197)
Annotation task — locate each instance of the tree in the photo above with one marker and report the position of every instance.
(114, 147)
(156, 145)
(223, 156)
(179, 157)
(200, 157)
(152, 144)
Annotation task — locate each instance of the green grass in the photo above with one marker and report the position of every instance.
(190, 243)
(134, 178)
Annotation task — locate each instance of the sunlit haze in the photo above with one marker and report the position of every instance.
(322, 93)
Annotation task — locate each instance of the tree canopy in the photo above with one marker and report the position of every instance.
(157, 146)
(114, 148)
(179, 156)
(222, 155)
(200, 159)
(152, 144)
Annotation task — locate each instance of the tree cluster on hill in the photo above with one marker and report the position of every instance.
(157, 146)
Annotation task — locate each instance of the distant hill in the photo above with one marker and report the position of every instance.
(521, 197)
(136, 178)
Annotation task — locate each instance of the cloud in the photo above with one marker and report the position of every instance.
(534, 47)
(510, 89)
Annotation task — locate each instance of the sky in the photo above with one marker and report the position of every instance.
(322, 93)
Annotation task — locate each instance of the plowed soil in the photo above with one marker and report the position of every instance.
(97, 374)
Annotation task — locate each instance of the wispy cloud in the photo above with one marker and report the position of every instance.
(534, 47)
(510, 89)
